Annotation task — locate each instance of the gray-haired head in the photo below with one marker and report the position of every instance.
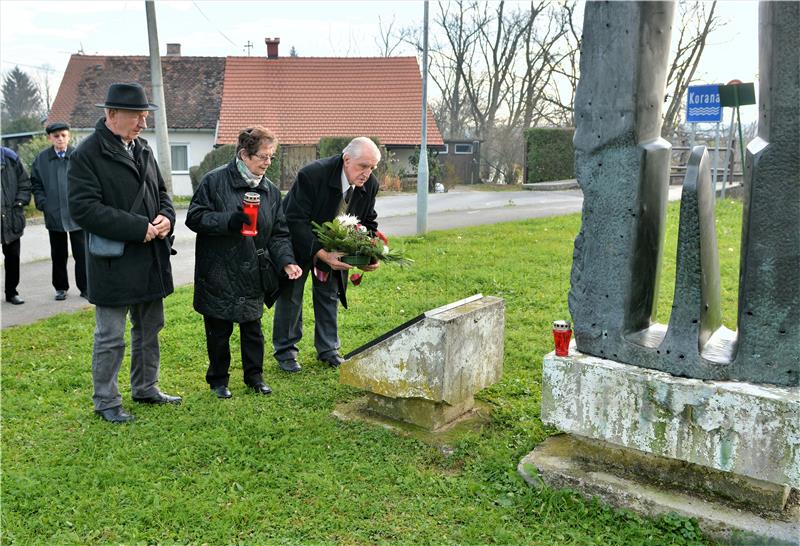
(356, 148)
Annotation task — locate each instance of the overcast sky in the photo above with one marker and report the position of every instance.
(40, 36)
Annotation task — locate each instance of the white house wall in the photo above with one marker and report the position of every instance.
(199, 144)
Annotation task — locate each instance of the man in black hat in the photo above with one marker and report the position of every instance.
(51, 194)
(117, 195)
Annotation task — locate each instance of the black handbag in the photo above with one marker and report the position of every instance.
(103, 247)
(269, 277)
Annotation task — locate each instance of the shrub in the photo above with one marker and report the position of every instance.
(27, 152)
(333, 145)
(550, 154)
(222, 156)
(434, 167)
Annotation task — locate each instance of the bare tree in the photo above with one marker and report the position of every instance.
(697, 21)
(389, 40)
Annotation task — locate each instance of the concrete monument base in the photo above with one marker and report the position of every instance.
(429, 415)
(652, 485)
(749, 430)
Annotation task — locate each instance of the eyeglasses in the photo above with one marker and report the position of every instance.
(263, 157)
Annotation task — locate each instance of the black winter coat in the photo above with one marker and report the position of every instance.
(227, 280)
(51, 191)
(103, 183)
(16, 193)
(316, 196)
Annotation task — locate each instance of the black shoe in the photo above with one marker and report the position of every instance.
(158, 398)
(84, 295)
(61, 295)
(221, 391)
(334, 360)
(115, 415)
(260, 388)
(15, 300)
(290, 365)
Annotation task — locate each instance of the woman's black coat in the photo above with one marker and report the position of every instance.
(227, 281)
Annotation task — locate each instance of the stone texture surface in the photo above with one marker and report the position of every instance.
(622, 167)
(768, 347)
(746, 429)
(652, 485)
(447, 357)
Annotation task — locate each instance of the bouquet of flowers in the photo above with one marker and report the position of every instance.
(345, 234)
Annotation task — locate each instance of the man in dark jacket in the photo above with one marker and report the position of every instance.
(16, 193)
(51, 193)
(116, 192)
(322, 190)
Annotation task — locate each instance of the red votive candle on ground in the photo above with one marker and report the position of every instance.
(561, 335)
(251, 202)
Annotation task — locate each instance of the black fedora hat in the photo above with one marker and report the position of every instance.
(127, 96)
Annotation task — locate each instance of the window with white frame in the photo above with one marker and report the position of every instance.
(446, 149)
(180, 158)
(463, 148)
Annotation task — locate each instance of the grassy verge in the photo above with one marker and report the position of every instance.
(281, 469)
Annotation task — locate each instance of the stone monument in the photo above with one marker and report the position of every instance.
(427, 371)
(693, 403)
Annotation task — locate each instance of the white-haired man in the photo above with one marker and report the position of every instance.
(322, 190)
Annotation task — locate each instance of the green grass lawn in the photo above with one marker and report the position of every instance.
(281, 469)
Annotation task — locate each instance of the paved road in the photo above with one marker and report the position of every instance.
(396, 215)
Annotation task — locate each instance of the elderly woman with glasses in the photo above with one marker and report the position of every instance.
(228, 284)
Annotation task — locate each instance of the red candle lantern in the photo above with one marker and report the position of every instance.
(562, 332)
(252, 200)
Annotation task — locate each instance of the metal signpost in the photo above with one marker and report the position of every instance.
(703, 106)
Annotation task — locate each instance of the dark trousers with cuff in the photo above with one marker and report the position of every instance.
(218, 335)
(59, 254)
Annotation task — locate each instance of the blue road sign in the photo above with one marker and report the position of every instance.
(702, 104)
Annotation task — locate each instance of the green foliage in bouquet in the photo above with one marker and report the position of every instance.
(345, 234)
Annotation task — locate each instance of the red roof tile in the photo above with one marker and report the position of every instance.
(304, 98)
(192, 88)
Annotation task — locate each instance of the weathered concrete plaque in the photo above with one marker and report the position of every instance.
(428, 373)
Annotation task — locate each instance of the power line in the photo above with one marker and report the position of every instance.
(212, 23)
(42, 67)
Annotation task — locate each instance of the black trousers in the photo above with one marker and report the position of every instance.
(11, 262)
(59, 254)
(218, 335)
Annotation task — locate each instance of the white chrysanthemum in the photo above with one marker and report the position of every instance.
(385, 250)
(347, 220)
(362, 229)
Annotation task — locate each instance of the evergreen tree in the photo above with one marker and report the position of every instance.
(22, 103)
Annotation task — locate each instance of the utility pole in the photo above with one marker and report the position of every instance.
(422, 171)
(160, 115)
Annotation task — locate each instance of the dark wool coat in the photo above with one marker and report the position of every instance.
(16, 193)
(227, 281)
(50, 189)
(103, 183)
(316, 196)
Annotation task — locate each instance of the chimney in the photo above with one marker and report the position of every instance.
(173, 50)
(272, 47)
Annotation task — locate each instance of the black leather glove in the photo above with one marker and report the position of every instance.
(236, 221)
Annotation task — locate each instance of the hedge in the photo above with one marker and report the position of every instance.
(222, 156)
(550, 154)
(333, 145)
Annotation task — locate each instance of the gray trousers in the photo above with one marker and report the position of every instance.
(287, 325)
(147, 319)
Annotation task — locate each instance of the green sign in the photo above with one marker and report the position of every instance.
(737, 94)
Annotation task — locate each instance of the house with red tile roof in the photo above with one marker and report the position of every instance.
(301, 99)
(192, 92)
